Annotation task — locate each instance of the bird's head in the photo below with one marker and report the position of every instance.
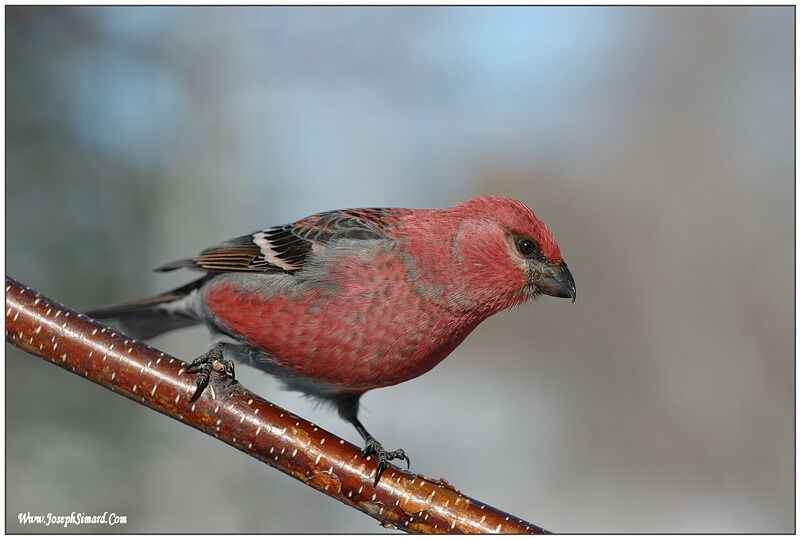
(507, 252)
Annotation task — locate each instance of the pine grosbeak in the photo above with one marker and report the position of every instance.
(346, 301)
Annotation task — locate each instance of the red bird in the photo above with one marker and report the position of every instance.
(346, 301)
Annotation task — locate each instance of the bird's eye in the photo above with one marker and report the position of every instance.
(526, 247)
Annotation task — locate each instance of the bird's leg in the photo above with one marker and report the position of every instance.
(348, 409)
(374, 447)
(213, 360)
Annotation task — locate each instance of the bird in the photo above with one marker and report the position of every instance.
(346, 301)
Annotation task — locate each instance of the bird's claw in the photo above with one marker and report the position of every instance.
(373, 447)
(205, 364)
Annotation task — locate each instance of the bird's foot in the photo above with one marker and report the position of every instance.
(373, 448)
(213, 360)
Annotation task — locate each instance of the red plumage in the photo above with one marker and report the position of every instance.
(346, 301)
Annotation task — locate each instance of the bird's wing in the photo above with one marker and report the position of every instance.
(284, 249)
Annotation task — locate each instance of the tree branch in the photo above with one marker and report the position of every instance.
(244, 420)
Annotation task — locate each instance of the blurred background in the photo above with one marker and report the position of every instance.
(656, 143)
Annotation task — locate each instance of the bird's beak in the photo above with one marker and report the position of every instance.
(558, 282)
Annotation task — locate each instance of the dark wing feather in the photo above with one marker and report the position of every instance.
(284, 249)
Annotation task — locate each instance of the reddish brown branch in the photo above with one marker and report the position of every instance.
(244, 420)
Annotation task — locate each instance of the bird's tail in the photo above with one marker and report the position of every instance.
(149, 317)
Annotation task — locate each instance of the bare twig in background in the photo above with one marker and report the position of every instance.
(245, 421)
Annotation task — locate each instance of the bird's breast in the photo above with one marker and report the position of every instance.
(371, 326)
